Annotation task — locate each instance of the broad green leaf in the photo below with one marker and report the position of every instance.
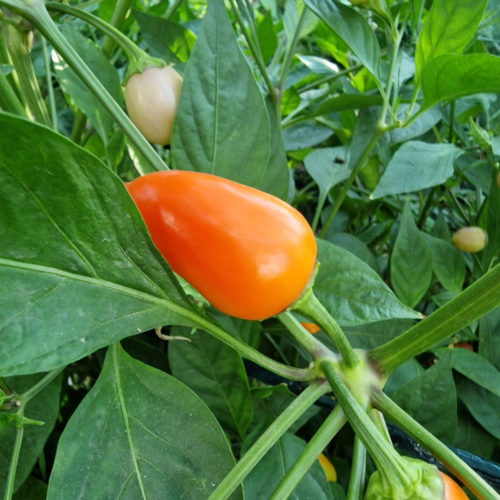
(352, 291)
(431, 399)
(473, 437)
(417, 165)
(418, 127)
(403, 375)
(168, 40)
(476, 368)
(139, 433)
(447, 263)
(294, 9)
(447, 29)
(372, 335)
(411, 261)
(222, 125)
(450, 77)
(354, 30)
(44, 407)
(216, 374)
(32, 489)
(483, 405)
(71, 84)
(78, 266)
(268, 473)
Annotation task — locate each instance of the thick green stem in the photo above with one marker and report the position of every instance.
(314, 309)
(19, 46)
(475, 483)
(358, 472)
(383, 454)
(35, 12)
(313, 346)
(473, 303)
(339, 199)
(11, 477)
(267, 440)
(328, 429)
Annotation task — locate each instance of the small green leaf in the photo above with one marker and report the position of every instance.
(447, 29)
(483, 405)
(476, 368)
(411, 261)
(168, 40)
(354, 30)
(447, 263)
(417, 165)
(352, 291)
(164, 438)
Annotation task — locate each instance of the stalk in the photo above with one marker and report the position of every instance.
(267, 440)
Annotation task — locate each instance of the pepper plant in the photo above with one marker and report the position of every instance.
(379, 120)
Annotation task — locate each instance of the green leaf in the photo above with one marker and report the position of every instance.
(477, 369)
(489, 340)
(447, 29)
(305, 135)
(79, 266)
(268, 473)
(431, 398)
(447, 263)
(266, 35)
(325, 171)
(354, 30)
(44, 406)
(491, 222)
(165, 441)
(71, 84)
(422, 124)
(352, 291)
(222, 125)
(417, 165)
(346, 101)
(353, 244)
(483, 405)
(411, 261)
(450, 77)
(217, 375)
(473, 437)
(168, 40)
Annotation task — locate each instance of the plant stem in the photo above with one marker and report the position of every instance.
(11, 477)
(248, 352)
(18, 45)
(475, 483)
(477, 300)
(35, 12)
(313, 308)
(120, 11)
(267, 439)
(358, 471)
(40, 385)
(452, 122)
(329, 78)
(328, 429)
(383, 454)
(8, 98)
(50, 89)
(377, 133)
(313, 346)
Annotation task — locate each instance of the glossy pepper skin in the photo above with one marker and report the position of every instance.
(248, 253)
(451, 489)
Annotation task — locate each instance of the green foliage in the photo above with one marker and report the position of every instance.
(378, 120)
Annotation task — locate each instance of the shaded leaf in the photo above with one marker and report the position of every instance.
(166, 441)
